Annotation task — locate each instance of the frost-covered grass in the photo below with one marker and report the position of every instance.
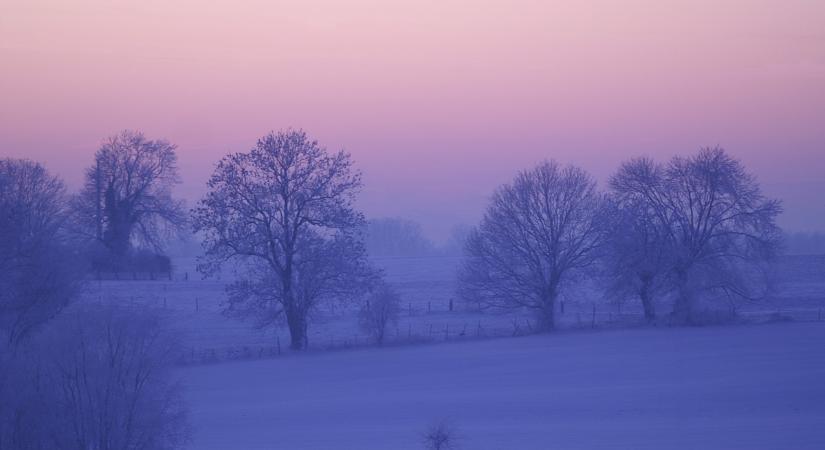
(426, 286)
(736, 387)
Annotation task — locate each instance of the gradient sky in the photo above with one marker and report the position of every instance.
(438, 101)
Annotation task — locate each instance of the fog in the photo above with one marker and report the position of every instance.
(412, 224)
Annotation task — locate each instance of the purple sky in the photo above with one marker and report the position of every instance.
(438, 101)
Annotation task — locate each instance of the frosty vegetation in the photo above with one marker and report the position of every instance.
(537, 232)
(89, 376)
(685, 233)
(694, 228)
(285, 211)
(127, 200)
(380, 311)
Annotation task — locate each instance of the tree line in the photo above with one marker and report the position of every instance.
(283, 216)
(689, 231)
(692, 229)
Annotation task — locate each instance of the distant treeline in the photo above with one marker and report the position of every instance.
(805, 243)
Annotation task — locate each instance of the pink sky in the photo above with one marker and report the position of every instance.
(438, 101)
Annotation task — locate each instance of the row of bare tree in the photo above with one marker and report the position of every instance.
(694, 228)
(72, 376)
(283, 216)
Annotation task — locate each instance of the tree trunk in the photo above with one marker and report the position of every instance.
(547, 312)
(297, 329)
(683, 308)
(647, 301)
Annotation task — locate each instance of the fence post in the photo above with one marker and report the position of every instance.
(197, 306)
(429, 307)
(593, 324)
(409, 309)
(447, 332)
(451, 305)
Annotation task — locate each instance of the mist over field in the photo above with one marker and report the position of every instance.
(412, 225)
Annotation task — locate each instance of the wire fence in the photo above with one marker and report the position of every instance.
(443, 330)
(422, 321)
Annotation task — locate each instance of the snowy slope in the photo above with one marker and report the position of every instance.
(740, 387)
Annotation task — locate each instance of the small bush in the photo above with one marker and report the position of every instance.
(440, 436)
(380, 311)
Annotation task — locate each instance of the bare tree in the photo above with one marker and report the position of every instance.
(380, 310)
(440, 435)
(719, 228)
(285, 210)
(96, 377)
(127, 197)
(397, 236)
(536, 234)
(638, 254)
(39, 270)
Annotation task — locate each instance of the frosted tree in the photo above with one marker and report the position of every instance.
(127, 196)
(285, 211)
(95, 377)
(538, 232)
(39, 269)
(720, 230)
(638, 253)
(380, 311)
(397, 236)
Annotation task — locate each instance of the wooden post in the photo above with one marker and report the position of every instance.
(429, 307)
(451, 305)
(409, 309)
(197, 306)
(278, 339)
(593, 323)
(447, 332)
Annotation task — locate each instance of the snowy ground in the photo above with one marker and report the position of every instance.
(426, 286)
(735, 387)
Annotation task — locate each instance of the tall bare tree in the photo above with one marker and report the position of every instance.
(719, 228)
(537, 232)
(638, 253)
(127, 197)
(285, 210)
(39, 269)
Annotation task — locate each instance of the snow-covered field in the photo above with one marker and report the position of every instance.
(426, 286)
(733, 387)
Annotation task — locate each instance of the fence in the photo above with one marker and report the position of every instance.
(424, 331)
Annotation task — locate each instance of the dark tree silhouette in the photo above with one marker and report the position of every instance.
(285, 210)
(39, 268)
(127, 196)
(537, 232)
(718, 227)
